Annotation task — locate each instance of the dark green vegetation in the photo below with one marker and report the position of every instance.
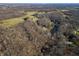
(37, 32)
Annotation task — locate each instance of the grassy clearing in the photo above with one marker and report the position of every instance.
(30, 16)
(11, 22)
(14, 21)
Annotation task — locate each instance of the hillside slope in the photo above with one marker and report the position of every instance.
(41, 33)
